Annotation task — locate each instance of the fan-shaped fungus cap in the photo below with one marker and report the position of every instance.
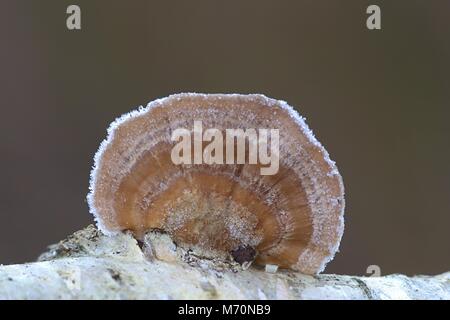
(293, 219)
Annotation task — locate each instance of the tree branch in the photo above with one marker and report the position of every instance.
(89, 265)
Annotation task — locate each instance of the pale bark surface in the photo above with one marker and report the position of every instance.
(89, 265)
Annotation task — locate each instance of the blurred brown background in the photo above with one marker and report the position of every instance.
(378, 101)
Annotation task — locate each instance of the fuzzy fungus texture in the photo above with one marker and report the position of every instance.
(293, 219)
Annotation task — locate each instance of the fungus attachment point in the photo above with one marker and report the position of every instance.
(280, 202)
(243, 254)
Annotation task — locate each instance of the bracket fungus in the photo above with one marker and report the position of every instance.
(292, 218)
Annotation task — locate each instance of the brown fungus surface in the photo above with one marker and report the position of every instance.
(293, 219)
